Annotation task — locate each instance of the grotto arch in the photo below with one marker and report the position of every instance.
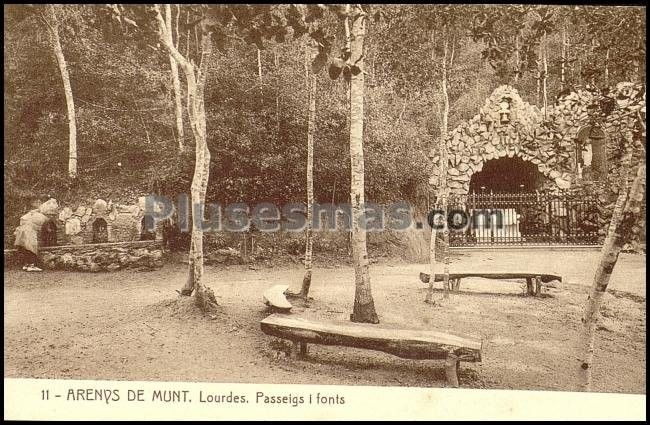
(506, 130)
(506, 175)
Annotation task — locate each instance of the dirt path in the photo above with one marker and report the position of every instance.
(131, 325)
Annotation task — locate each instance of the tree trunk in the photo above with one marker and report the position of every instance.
(196, 80)
(517, 60)
(564, 57)
(176, 83)
(444, 166)
(607, 68)
(364, 305)
(311, 124)
(53, 24)
(545, 91)
(625, 214)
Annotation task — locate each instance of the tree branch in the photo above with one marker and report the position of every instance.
(162, 29)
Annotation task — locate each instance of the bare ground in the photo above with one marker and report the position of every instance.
(130, 325)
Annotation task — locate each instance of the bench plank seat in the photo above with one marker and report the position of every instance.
(545, 277)
(405, 343)
(454, 279)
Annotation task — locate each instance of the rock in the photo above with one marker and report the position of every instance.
(49, 207)
(76, 240)
(562, 184)
(81, 210)
(463, 166)
(489, 148)
(34, 218)
(554, 174)
(65, 214)
(67, 259)
(112, 267)
(72, 226)
(87, 216)
(100, 207)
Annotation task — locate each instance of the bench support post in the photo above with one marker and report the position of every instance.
(451, 370)
(298, 349)
(538, 286)
(529, 286)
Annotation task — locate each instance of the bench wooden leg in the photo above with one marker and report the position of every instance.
(529, 286)
(451, 370)
(457, 284)
(538, 286)
(299, 349)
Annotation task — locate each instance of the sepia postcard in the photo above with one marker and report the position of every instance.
(324, 211)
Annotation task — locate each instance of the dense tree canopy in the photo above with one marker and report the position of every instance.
(256, 111)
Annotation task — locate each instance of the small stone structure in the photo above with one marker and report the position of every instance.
(104, 236)
(101, 222)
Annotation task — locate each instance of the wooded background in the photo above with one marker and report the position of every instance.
(256, 100)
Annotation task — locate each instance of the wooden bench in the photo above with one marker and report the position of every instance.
(275, 297)
(454, 279)
(405, 343)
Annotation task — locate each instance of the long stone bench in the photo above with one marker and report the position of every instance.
(414, 344)
(454, 279)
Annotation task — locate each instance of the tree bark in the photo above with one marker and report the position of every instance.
(564, 57)
(52, 22)
(545, 91)
(364, 305)
(176, 83)
(607, 68)
(444, 165)
(196, 79)
(625, 214)
(517, 60)
(311, 124)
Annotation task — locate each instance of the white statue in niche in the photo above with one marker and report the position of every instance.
(584, 161)
(587, 155)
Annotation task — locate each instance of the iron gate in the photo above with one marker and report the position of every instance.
(485, 219)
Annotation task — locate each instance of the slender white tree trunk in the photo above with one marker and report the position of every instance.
(545, 91)
(53, 23)
(517, 59)
(364, 305)
(196, 77)
(607, 68)
(311, 124)
(176, 83)
(626, 210)
(444, 166)
(564, 56)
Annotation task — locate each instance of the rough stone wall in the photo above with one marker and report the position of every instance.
(545, 139)
(104, 256)
(123, 222)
